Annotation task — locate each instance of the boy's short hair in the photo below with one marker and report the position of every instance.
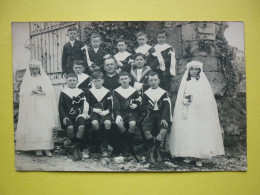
(162, 32)
(78, 62)
(139, 34)
(72, 75)
(124, 73)
(154, 74)
(73, 28)
(139, 54)
(95, 35)
(121, 40)
(97, 75)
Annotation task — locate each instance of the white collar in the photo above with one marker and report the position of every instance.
(82, 77)
(121, 56)
(95, 49)
(99, 94)
(143, 49)
(155, 94)
(125, 92)
(160, 48)
(72, 92)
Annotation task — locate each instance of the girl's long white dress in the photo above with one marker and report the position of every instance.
(196, 130)
(37, 114)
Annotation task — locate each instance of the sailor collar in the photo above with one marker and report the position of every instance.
(99, 94)
(121, 56)
(72, 92)
(81, 78)
(125, 93)
(160, 48)
(155, 94)
(143, 49)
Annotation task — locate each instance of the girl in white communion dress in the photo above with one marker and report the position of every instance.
(196, 130)
(38, 113)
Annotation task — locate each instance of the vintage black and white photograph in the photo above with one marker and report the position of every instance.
(129, 96)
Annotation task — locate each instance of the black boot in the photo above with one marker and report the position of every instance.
(105, 148)
(151, 150)
(158, 150)
(76, 152)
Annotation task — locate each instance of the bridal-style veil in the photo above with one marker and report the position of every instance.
(196, 130)
(38, 115)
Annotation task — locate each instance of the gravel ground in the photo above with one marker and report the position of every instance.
(234, 160)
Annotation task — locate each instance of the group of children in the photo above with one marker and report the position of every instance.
(124, 106)
(126, 91)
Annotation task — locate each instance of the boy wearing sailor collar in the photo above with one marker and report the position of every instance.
(143, 46)
(163, 60)
(139, 73)
(73, 110)
(126, 102)
(100, 101)
(123, 57)
(156, 108)
(84, 81)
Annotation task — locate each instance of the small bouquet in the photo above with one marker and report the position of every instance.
(38, 91)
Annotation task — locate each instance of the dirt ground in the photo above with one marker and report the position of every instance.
(234, 160)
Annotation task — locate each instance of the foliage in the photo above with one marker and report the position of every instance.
(112, 31)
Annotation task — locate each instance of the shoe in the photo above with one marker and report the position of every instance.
(38, 153)
(104, 151)
(187, 161)
(199, 163)
(48, 153)
(76, 153)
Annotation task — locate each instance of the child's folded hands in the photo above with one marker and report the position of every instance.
(119, 119)
(186, 102)
(104, 113)
(97, 110)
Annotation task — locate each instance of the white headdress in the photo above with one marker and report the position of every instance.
(194, 64)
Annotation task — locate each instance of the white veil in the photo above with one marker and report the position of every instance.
(26, 88)
(203, 118)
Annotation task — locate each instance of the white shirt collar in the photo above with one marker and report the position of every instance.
(96, 50)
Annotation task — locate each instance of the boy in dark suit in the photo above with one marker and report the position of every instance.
(96, 54)
(162, 60)
(72, 51)
(100, 101)
(156, 109)
(126, 102)
(73, 111)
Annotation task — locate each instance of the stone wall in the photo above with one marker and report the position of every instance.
(200, 41)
